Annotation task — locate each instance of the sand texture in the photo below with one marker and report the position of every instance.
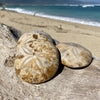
(68, 84)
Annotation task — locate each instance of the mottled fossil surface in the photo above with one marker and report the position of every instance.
(68, 84)
(37, 58)
(74, 55)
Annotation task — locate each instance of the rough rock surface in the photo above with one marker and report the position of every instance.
(70, 84)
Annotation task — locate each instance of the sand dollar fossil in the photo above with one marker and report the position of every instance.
(36, 59)
(74, 55)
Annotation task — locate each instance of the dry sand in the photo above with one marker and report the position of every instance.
(88, 36)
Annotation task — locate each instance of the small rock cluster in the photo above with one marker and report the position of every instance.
(38, 57)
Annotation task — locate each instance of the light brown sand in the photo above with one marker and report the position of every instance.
(88, 36)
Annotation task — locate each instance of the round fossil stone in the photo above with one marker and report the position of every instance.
(37, 58)
(74, 55)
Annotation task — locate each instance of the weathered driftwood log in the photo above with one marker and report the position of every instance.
(70, 84)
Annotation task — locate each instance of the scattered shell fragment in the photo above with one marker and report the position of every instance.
(74, 55)
(37, 58)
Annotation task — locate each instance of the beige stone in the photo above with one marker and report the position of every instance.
(37, 58)
(74, 55)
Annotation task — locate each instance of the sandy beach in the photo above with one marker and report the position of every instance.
(67, 84)
(87, 36)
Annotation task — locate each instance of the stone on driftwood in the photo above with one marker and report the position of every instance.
(74, 55)
(70, 84)
(37, 59)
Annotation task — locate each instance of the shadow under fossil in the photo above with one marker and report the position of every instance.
(10, 63)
